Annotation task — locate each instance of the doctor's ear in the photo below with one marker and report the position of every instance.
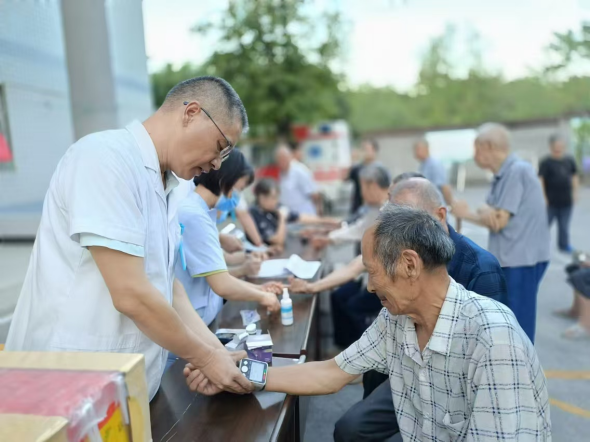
(191, 110)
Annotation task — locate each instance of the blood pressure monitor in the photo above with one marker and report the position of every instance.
(255, 371)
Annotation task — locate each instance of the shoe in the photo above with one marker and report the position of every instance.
(567, 250)
(576, 332)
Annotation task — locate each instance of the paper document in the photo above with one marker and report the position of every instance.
(293, 265)
(253, 248)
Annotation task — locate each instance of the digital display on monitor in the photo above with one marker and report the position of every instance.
(256, 372)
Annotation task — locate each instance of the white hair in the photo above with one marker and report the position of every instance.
(495, 134)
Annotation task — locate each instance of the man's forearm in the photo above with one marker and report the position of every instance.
(317, 378)
(447, 194)
(231, 288)
(575, 187)
(190, 318)
(340, 276)
(249, 227)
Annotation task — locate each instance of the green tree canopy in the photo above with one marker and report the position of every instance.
(279, 59)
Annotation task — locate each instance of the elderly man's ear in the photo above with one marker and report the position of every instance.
(410, 264)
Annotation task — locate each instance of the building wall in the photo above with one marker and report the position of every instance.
(34, 76)
(529, 141)
(68, 68)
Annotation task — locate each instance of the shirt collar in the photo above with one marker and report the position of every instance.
(150, 155)
(507, 163)
(442, 335)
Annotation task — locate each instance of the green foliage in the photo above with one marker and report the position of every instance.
(278, 58)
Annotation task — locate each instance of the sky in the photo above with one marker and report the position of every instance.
(386, 39)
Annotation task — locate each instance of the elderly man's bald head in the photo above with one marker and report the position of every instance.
(418, 193)
(283, 157)
(492, 146)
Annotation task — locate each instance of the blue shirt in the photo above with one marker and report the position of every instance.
(434, 171)
(476, 269)
(203, 254)
(524, 241)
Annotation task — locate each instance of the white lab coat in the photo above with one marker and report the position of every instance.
(107, 184)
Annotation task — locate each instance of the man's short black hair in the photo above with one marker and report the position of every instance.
(214, 94)
(554, 138)
(373, 143)
(264, 187)
(225, 178)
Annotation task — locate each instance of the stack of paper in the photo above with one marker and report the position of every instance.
(293, 265)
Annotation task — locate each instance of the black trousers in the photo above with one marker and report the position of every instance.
(353, 310)
(372, 419)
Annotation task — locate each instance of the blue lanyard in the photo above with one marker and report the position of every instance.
(181, 248)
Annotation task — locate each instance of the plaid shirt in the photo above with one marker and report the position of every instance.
(478, 378)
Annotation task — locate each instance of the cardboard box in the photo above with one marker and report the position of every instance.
(73, 396)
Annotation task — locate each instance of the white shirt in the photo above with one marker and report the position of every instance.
(203, 255)
(297, 187)
(477, 379)
(109, 185)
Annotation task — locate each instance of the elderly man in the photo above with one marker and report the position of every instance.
(559, 176)
(516, 218)
(460, 367)
(299, 191)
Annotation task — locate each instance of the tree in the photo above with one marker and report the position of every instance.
(280, 61)
(570, 48)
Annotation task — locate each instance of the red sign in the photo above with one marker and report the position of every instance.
(5, 152)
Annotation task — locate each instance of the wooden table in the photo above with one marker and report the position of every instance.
(288, 341)
(179, 415)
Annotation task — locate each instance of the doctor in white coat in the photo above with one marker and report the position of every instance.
(101, 274)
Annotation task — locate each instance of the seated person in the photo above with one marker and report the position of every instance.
(375, 180)
(460, 366)
(579, 278)
(271, 220)
(206, 279)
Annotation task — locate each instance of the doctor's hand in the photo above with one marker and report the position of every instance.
(220, 373)
(270, 301)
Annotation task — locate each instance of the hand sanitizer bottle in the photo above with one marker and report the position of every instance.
(286, 309)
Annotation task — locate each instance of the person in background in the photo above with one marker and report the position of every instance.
(370, 149)
(434, 171)
(375, 180)
(271, 220)
(202, 269)
(516, 218)
(460, 367)
(248, 223)
(579, 278)
(299, 191)
(559, 177)
(101, 274)
(297, 152)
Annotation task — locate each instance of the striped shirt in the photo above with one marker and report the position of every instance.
(478, 378)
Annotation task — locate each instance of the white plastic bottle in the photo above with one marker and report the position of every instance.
(286, 309)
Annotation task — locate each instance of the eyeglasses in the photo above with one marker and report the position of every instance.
(225, 151)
